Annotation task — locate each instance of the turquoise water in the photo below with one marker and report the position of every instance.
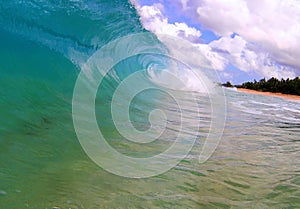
(42, 164)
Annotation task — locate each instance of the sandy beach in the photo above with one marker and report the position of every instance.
(285, 96)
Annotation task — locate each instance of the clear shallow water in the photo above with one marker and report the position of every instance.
(42, 164)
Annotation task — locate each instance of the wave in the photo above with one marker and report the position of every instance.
(143, 88)
(72, 28)
(51, 43)
(77, 29)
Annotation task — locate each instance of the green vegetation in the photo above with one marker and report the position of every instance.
(288, 86)
(227, 84)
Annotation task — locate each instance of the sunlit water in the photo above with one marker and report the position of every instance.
(42, 165)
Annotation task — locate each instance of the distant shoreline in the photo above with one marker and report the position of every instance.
(285, 96)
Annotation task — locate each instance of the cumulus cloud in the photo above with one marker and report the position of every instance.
(153, 20)
(273, 25)
(217, 60)
(243, 55)
(267, 32)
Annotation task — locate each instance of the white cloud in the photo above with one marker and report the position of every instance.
(268, 32)
(240, 53)
(217, 61)
(221, 16)
(273, 25)
(227, 76)
(153, 20)
(236, 52)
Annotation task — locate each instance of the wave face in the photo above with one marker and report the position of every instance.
(47, 44)
(43, 44)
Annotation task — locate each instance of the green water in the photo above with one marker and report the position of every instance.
(42, 164)
(256, 165)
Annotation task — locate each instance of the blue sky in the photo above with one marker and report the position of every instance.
(265, 63)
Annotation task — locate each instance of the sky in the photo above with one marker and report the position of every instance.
(243, 39)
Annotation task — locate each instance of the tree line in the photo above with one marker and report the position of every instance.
(288, 86)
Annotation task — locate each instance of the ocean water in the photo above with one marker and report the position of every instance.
(44, 45)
